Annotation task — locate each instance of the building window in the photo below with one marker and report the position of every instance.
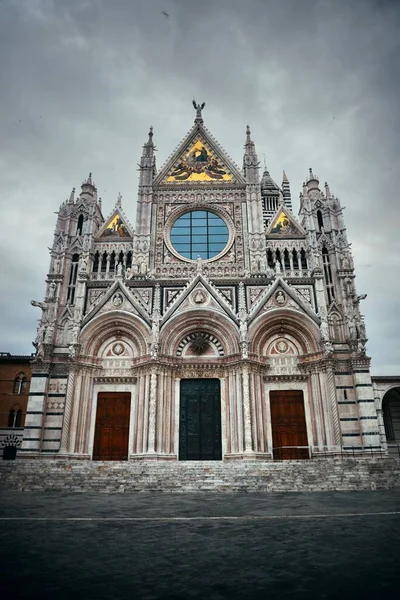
(20, 384)
(72, 279)
(15, 417)
(199, 233)
(80, 225)
(320, 220)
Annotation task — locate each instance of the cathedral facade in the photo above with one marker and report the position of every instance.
(220, 327)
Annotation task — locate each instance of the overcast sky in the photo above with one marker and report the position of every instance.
(82, 80)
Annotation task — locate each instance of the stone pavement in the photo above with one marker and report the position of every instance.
(200, 546)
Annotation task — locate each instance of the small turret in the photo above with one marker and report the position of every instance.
(72, 197)
(312, 181)
(88, 189)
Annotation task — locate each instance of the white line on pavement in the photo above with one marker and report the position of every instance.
(220, 518)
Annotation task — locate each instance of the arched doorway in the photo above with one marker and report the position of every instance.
(391, 419)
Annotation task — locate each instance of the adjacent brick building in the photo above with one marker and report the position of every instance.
(15, 378)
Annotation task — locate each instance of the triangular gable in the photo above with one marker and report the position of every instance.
(116, 226)
(284, 224)
(280, 295)
(66, 314)
(199, 159)
(119, 298)
(199, 290)
(77, 244)
(334, 308)
(81, 208)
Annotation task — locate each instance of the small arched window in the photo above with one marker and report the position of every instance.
(20, 384)
(330, 288)
(72, 279)
(15, 417)
(79, 227)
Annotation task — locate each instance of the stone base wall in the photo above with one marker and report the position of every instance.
(288, 476)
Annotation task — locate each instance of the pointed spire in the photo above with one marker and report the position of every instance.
(72, 196)
(286, 191)
(327, 190)
(100, 203)
(149, 148)
(250, 159)
(118, 202)
(249, 146)
(248, 134)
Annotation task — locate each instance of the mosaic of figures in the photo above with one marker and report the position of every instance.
(198, 164)
(115, 228)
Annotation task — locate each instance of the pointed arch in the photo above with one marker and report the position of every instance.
(114, 324)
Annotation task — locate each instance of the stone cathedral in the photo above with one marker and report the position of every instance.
(220, 327)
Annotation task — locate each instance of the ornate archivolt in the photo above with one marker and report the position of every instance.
(221, 332)
(200, 344)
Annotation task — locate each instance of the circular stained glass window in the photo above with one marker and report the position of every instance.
(199, 233)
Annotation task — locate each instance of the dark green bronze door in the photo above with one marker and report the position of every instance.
(200, 420)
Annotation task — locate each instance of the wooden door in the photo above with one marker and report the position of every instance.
(200, 420)
(112, 426)
(289, 430)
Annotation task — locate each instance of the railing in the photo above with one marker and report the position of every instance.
(306, 452)
(394, 449)
(291, 452)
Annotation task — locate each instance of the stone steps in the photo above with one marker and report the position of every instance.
(312, 475)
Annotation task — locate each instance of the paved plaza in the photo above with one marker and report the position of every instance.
(209, 546)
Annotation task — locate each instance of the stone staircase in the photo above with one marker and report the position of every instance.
(286, 476)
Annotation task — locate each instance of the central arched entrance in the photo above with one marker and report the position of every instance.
(200, 419)
(391, 419)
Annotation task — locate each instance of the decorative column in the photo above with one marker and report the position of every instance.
(84, 407)
(152, 414)
(67, 412)
(333, 431)
(248, 447)
(318, 410)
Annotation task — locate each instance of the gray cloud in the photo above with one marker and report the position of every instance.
(81, 81)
